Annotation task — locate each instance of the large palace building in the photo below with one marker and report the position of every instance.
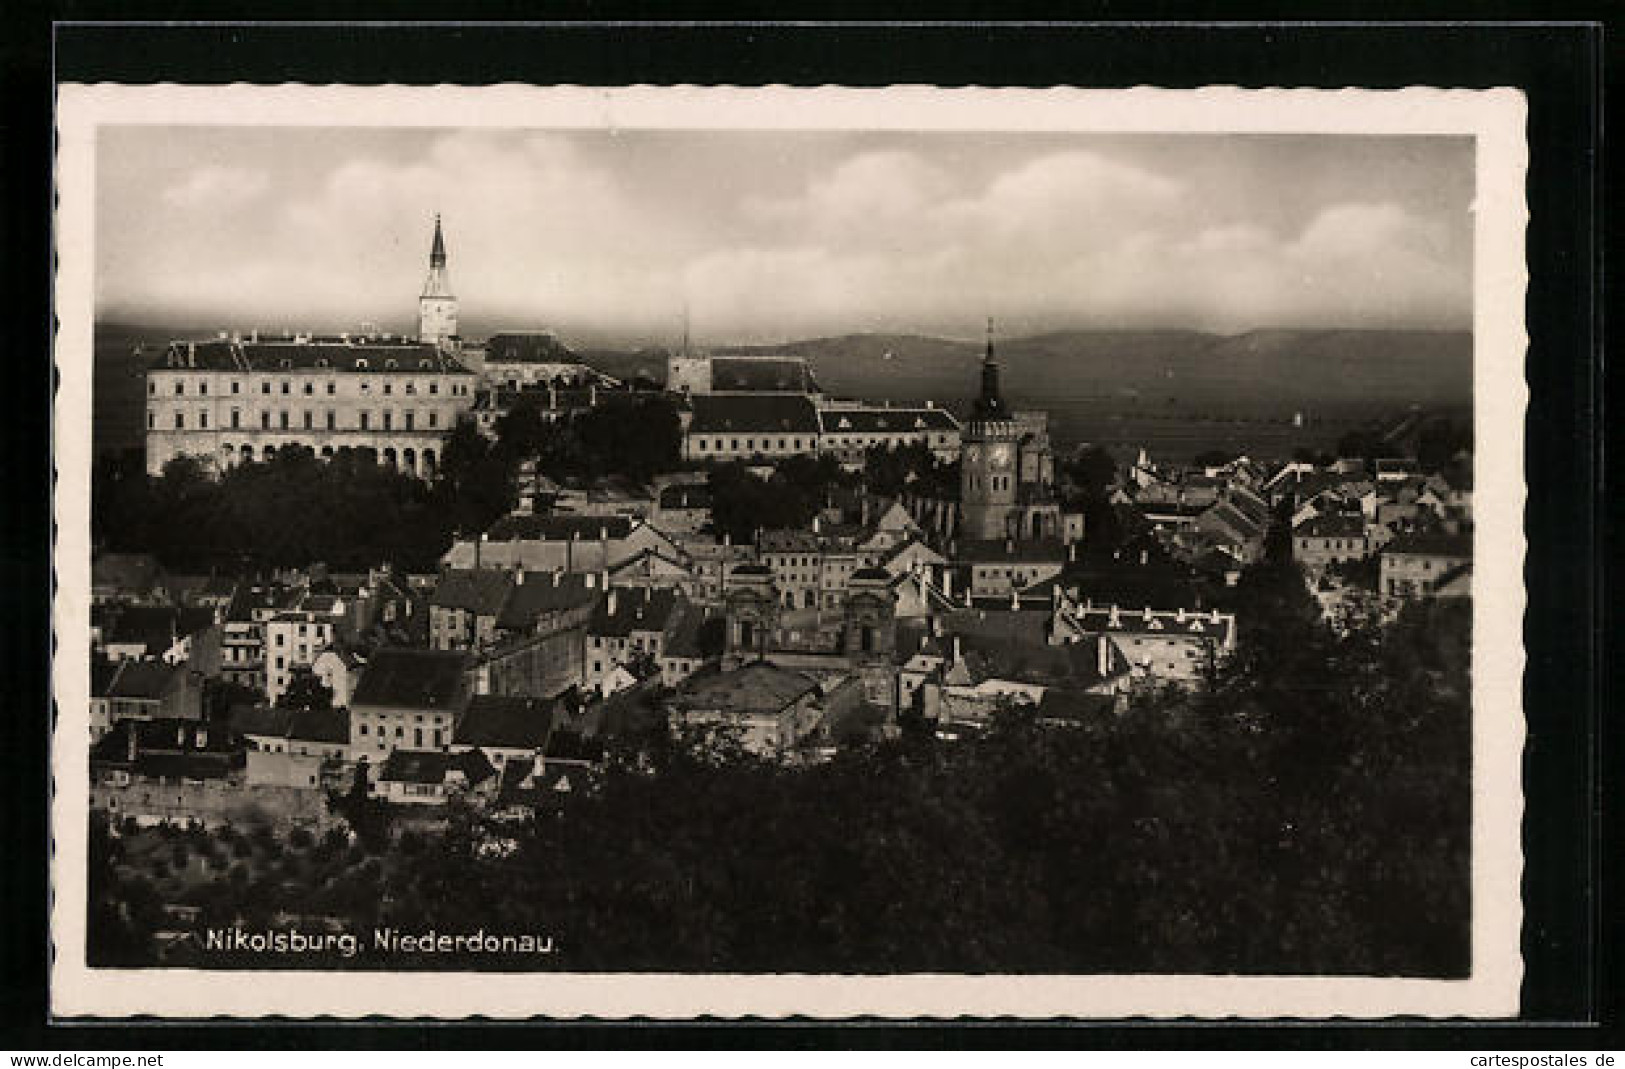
(233, 398)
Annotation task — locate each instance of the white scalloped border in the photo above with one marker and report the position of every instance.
(1495, 117)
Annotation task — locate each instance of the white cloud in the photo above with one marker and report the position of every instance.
(543, 231)
(214, 187)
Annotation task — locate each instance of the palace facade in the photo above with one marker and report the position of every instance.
(231, 399)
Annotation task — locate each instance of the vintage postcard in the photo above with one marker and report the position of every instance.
(758, 552)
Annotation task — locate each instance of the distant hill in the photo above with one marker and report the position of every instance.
(1262, 372)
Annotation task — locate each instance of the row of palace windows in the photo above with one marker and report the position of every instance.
(705, 444)
(458, 389)
(994, 482)
(308, 421)
(407, 457)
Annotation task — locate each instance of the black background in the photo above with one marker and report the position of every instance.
(1571, 979)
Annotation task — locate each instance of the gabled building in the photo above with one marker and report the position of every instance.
(465, 607)
(432, 778)
(750, 427)
(408, 699)
(505, 728)
(1332, 538)
(145, 690)
(1426, 565)
(627, 625)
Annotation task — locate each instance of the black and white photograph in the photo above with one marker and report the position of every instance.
(760, 551)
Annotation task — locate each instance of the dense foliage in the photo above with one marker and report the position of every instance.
(743, 502)
(352, 512)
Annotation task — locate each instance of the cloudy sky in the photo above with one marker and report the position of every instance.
(608, 236)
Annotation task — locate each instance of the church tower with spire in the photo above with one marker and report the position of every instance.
(437, 307)
(988, 457)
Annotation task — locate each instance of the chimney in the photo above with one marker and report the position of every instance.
(815, 524)
(592, 580)
(132, 741)
(1015, 601)
(1009, 545)
(1072, 551)
(947, 583)
(606, 578)
(557, 575)
(955, 658)
(1180, 616)
(519, 577)
(1114, 619)
(1145, 557)
(1103, 650)
(610, 606)
(180, 736)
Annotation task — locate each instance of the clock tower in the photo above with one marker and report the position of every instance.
(988, 458)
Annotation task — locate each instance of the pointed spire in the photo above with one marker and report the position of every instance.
(437, 254)
(989, 405)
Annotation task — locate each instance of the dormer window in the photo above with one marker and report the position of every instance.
(424, 364)
(391, 365)
(361, 365)
(321, 361)
(286, 362)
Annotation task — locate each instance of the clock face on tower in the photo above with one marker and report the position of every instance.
(973, 454)
(999, 457)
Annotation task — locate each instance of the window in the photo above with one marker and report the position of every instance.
(180, 421)
(389, 419)
(363, 729)
(265, 421)
(180, 389)
(236, 418)
(236, 388)
(309, 419)
(434, 387)
(152, 388)
(152, 419)
(287, 387)
(434, 419)
(389, 387)
(409, 416)
(282, 419)
(203, 419)
(331, 389)
(365, 420)
(265, 387)
(203, 388)
(411, 388)
(332, 419)
(417, 736)
(310, 388)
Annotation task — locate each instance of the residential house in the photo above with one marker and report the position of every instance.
(628, 625)
(408, 699)
(504, 728)
(433, 777)
(465, 606)
(1000, 567)
(1422, 565)
(142, 690)
(303, 748)
(774, 709)
(1331, 538)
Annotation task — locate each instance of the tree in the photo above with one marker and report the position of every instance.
(306, 691)
(1091, 470)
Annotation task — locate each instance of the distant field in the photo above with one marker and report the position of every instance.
(1176, 393)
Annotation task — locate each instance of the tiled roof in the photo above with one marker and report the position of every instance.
(757, 687)
(1432, 544)
(284, 354)
(503, 722)
(560, 528)
(636, 609)
(1106, 619)
(156, 628)
(1331, 525)
(141, 680)
(539, 347)
(320, 725)
(885, 420)
(542, 593)
(432, 766)
(411, 678)
(766, 413)
(788, 540)
(761, 374)
(481, 591)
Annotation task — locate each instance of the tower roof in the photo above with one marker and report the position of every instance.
(989, 404)
(437, 254)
